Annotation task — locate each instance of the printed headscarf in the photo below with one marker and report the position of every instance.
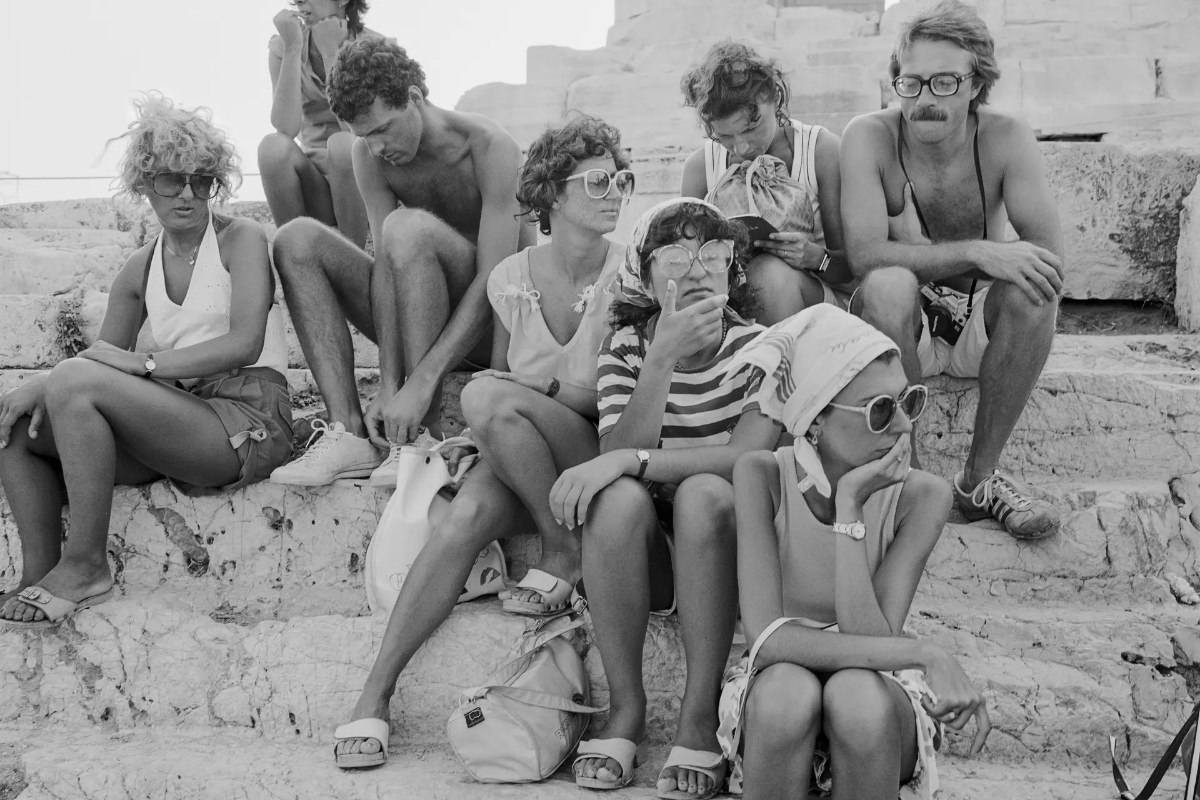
(806, 360)
(634, 289)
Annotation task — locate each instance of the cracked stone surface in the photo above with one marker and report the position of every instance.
(191, 765)
(1054, 676)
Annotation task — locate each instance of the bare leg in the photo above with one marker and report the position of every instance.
(432, 587)
(625, 569)
(782, 720)
(422, 268)
(872, 735)
(293, 185)
(889, 299)
(326, 282)
(101, 413)
(348, 204)
(1019, 338)
(529, 439)
(706, 591)
(780, 290)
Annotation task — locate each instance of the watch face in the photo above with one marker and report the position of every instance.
(151, 365)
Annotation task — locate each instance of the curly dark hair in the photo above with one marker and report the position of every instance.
(354, 13)
(691, 221)
(960, 25)
(369, 68)
(733, 78)
(554, 156)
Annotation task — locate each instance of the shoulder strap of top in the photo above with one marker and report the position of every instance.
(716, 158)
(146, 280)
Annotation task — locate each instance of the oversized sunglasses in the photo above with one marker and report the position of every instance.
(674, 260)
(598, 183)
(943, 84)
(170, 184)
(880, 411)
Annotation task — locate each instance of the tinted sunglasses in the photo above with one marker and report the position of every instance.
(170, 184)
(675, 260)
(598, 183)
(880, 411)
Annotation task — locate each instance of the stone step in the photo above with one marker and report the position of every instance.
(39, 330)
(1104, 407)
(54, 261)
(275, 552)
(1054, 677)
(198, 765)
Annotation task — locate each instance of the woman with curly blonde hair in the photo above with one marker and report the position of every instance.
(202, 400)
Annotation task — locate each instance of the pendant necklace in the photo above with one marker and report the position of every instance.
(191, 260)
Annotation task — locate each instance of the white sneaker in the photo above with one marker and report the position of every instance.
(384, 476)
(332, 453)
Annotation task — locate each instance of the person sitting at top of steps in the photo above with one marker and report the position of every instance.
(742, 101)
(656, 507)
(312, 177)
(929, 186)
(533, 415)
(204, 402)
(833, 535)
(440, 190)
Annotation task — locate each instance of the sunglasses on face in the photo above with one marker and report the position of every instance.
(943, 84)
(598, 183)
(880, 411)
(170, 184)
(674, 260)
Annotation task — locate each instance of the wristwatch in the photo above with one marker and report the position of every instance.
(151, 365)
(824, 262)
(643, 457)
(553, 388)
(855, 530)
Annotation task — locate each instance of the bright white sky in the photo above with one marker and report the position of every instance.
(71, 67)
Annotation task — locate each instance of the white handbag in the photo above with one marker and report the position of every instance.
(407, 523)
(528, 718)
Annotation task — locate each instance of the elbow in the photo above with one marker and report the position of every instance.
(249, 350)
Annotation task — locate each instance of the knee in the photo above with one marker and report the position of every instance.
(784, 705)
(1016, 307)
(888, 298)
(404, 226)
(859, 710)
(488, 403)
(704, 508)
(467, 524)
(340, 147)
(275, 152)
(621, 516)
(75, 380)
(779, 289)
(295, 242)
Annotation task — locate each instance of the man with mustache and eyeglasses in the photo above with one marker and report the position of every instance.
(930, 186)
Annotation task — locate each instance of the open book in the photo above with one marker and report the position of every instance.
(758, 228)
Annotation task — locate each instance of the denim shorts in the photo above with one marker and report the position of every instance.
(254, 406)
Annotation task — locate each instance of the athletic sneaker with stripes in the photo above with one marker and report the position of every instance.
(1002, 498)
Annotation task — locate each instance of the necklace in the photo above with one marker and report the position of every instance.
(191, 260)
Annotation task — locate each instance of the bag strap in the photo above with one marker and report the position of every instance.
(1163, 765)
(750, 172)
(762, 638)
(532, 698)
(537, 637)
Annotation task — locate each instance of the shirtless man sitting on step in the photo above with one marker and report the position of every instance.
(929, 186)
(440, 192)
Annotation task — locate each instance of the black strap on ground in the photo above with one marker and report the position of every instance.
(1163, 765)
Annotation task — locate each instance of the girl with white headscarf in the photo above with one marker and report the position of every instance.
(833, 535)
(673, 421)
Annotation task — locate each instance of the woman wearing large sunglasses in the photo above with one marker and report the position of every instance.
(533, 414)
(833, 535)
(201, 398)
(656, 508)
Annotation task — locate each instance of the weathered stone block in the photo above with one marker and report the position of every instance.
(524, 110)
(1187, 263)
(1179, 77)
(1032, 12)
(559, 67)
(810, 24)
(648, 109)
(1086, 81)
(57, 261)
(679, 21)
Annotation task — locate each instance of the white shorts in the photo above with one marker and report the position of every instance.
(961, 359)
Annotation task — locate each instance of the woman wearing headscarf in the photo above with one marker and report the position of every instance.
(833, 535)
(673, 421)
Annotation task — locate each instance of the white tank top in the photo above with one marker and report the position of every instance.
(804, 167)
(204, 314)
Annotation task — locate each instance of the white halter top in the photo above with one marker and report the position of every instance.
(204, 314)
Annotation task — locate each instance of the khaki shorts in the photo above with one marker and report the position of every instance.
(256, 410)
(961, 359)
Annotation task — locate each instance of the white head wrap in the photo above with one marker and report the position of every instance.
(806, 360)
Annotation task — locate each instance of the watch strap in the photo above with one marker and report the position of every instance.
(643, 457)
